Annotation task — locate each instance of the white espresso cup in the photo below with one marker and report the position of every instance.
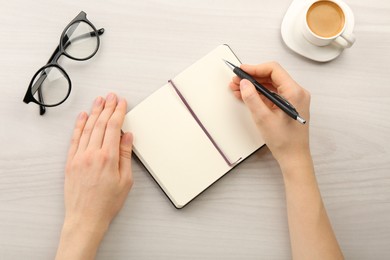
(325, 23)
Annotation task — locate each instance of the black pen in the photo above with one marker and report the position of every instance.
(278, 100)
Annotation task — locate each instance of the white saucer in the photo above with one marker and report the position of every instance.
(294, 39)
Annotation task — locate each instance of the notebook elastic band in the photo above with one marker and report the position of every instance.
(202, 126)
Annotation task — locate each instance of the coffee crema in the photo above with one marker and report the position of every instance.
(325, 19)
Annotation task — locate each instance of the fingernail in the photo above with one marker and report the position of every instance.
(110, 97)
(82, 116)
(121, 100)
(243, 84)
(127, 138)
(98, 101)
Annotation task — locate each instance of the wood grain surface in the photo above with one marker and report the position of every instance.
(243, 216)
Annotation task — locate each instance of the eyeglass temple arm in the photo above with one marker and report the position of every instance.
(54, 56)
(66, 43)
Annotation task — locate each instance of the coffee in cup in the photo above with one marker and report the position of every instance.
(325, 18)
(325, 23)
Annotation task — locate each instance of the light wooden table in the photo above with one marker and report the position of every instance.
(243, 216)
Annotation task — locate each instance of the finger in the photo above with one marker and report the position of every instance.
(234, 87)
(126, 145)
(271, 70)
(262, 80)
(270, 87)
(87, 131)
(237, 94)
(266, 82)
(99, 129)
(113, 131)
(236, 80)
(235, 83)
(252, 100)
(267, 102)
(77, 132)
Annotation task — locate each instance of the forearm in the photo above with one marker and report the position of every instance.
(79, 242)
(311, 233)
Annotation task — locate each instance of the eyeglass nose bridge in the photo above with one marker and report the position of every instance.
(55, 56)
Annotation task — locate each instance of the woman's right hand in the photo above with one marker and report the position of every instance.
(287, 139)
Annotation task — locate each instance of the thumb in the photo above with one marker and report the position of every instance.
(126, 146)
(252, 99)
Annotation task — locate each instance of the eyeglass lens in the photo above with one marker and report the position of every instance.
(81, 40)
(54, 86)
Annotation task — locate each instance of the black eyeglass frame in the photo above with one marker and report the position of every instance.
(53, 62)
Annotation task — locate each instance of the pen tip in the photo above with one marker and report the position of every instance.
(229, 64)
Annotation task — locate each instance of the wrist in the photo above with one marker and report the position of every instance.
(299, 164)
(80, 240)
(87, 229)
(297, 151)
(85, 223)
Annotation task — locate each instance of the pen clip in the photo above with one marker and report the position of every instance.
(276, 95)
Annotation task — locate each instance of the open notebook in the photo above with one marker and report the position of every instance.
(192, 131)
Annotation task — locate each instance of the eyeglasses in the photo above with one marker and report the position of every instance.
(51, 85)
